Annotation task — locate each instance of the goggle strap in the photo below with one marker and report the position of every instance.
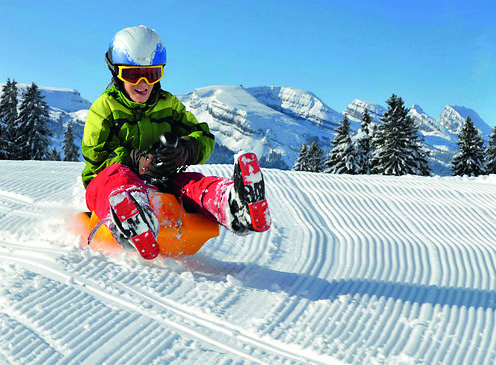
(113, 68)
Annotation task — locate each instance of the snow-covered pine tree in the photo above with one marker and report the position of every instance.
(32, 135)
(491, 153)
(364, 145)
(315, 157)
(470, 160)
(301, 163)
(8, 116)
(398, 149)
(71, 151)
(341, 158)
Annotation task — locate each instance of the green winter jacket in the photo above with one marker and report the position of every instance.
(116, 125)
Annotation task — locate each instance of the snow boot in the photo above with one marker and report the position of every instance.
(133, 222)
(247, 203)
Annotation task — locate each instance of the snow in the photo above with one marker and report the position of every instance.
(68, 100)
(297, 103)
(354, 112)
(273, 121)
(454, 116)
(66, 106)
(355, 270)
(264, 120)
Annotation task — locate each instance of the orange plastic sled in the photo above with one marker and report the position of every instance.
(181, 233)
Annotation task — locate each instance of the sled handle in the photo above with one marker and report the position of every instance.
(169, 139)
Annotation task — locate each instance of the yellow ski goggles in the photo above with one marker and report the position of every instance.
(134, 74)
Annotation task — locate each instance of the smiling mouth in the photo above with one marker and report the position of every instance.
(141, 91)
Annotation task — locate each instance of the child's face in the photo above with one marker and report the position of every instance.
(139, 93)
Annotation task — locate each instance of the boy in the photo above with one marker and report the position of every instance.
(137, 135)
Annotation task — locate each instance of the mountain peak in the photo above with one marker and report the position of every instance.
(417, 108)
(296, 103)
(354, 111)
(454, 116)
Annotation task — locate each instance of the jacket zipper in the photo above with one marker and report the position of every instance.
(140, 116)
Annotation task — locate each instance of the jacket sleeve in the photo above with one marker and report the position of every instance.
(100, 145)
(185, 123)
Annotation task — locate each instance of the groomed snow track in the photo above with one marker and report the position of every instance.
(355, 270)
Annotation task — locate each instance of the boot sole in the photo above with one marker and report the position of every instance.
(132, 222)
(254, 192)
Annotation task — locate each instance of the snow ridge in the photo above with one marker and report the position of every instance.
(454, 116)
(297, 103)
(68, 100)
(354, 112)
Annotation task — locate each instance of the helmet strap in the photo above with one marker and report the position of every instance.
(114, 69)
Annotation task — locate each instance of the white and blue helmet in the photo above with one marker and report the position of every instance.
(136, 46)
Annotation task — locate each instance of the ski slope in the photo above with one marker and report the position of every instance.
(355, 270)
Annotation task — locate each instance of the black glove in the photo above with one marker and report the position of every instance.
(170, 159)
(141, 162)
(166, 157)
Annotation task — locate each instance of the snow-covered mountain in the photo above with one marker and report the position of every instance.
(428, 126)
(354, 112)
(66, 106)
(297, 104)
(274, 121)
(454, 116)
(440, 136)
(68, 100)
(355, 270)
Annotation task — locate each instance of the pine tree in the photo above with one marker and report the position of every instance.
(309, 158)
(55, 155)
(364, 145)
(398, 149)
(491, 153)
(301, 163)
(315, 157)
(32, 135)
(71, 151)
(8, 116)
(470, 160)
(341, 158)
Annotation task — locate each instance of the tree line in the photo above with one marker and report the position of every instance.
(24, 127)
(394, 147)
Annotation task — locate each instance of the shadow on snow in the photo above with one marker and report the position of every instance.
(305, 286)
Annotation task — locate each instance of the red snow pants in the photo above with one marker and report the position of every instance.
(198, 193)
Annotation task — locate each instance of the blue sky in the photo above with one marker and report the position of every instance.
(431, 53)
